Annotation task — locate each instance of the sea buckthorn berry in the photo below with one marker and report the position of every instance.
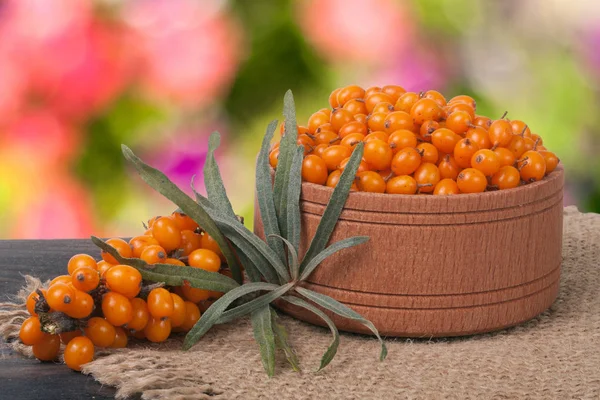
(479, 136)
(333, 178)
(446, 187)
(505, 156)
(377, 154)
(117, 309)
(383, 108)
(551, 160)
(402, 139)
(59, 296)
(532, 166)
(167, 232)
(435, 96)
(444, 140)
(273, 159)
(381, 135)
(464, 99)
(459, 122)
(190, 241)
(339, 118)
(185, 222)
(371, 90)
(151, 221)
(305, 142)
(204, 259)
(429, 153)
(452, 108)
(78, 352)
(154, 254)
(32, 300)
(356, 106)
(402, 184)
(194, 294)
(122, 247)
(362, 167)
(406, 161)
(121, 340)
(517, 145)
(125, 280)
(397, 120)
(31, 331)
(334, 155)
(483, 122)
(486, 161)
(139, 243)
(211, 244)
(62, 279)
(140, 314)
(373, 99)
(448, 167)
(66, 337)
(316, 120)
(319, 149)
(140, 335)
(85, 279)
(352, 140)
(47, 348)
(370, 181)
(362, 118)
(427, 176)
(528, 143)
(333, 101)
(427, 129)
(160, 303)
(82, 306)
(100, 332)
(348, 93)
(178, 315)
(394, 91)
(353, 127)
(376, 121)
(507, 177)
(314, 170)
(103, 266)
(192, 315)
(81, 260)
(537, 139)
(500, 133)
(425, 110)
(174, 261)
(158, 329)
(406, 101)
(520, 128)
(463, 151)
(471, 180)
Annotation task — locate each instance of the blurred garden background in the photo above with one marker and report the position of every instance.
(80, 77)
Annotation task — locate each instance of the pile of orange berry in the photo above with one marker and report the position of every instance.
(418, 143)
(103, 303)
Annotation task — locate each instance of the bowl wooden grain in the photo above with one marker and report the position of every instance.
(440, 265)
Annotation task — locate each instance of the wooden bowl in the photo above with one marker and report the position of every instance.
(440, 265)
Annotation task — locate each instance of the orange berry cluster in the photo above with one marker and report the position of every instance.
(102, 303)
(418, 143)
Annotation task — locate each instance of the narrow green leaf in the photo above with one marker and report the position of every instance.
(159, 182)
(332, 349)
(286, 153)
(264, 192)
(212, 177)
(293, 199)
(281, 339)
(172, 275)
(334, 207)
(214, 312)
(264, 336)
(344, 311)
(240, 311)
(334, 248)
(293, 259)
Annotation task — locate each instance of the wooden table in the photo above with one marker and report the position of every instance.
(22, 378)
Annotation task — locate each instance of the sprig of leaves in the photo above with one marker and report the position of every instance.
(272, 265)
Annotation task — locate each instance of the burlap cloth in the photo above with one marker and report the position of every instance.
(554, 356)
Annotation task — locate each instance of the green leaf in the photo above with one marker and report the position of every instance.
(264, 192)
(334, 207)
(332, 349)
(334, 248)
(293, 259)
(293, 200)
(264, 336)
(159, 182)
(172, 275)
(212, 178)
(281, 339)
(344, 311)
(240, 311)
(286, 153)
(214, 312)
